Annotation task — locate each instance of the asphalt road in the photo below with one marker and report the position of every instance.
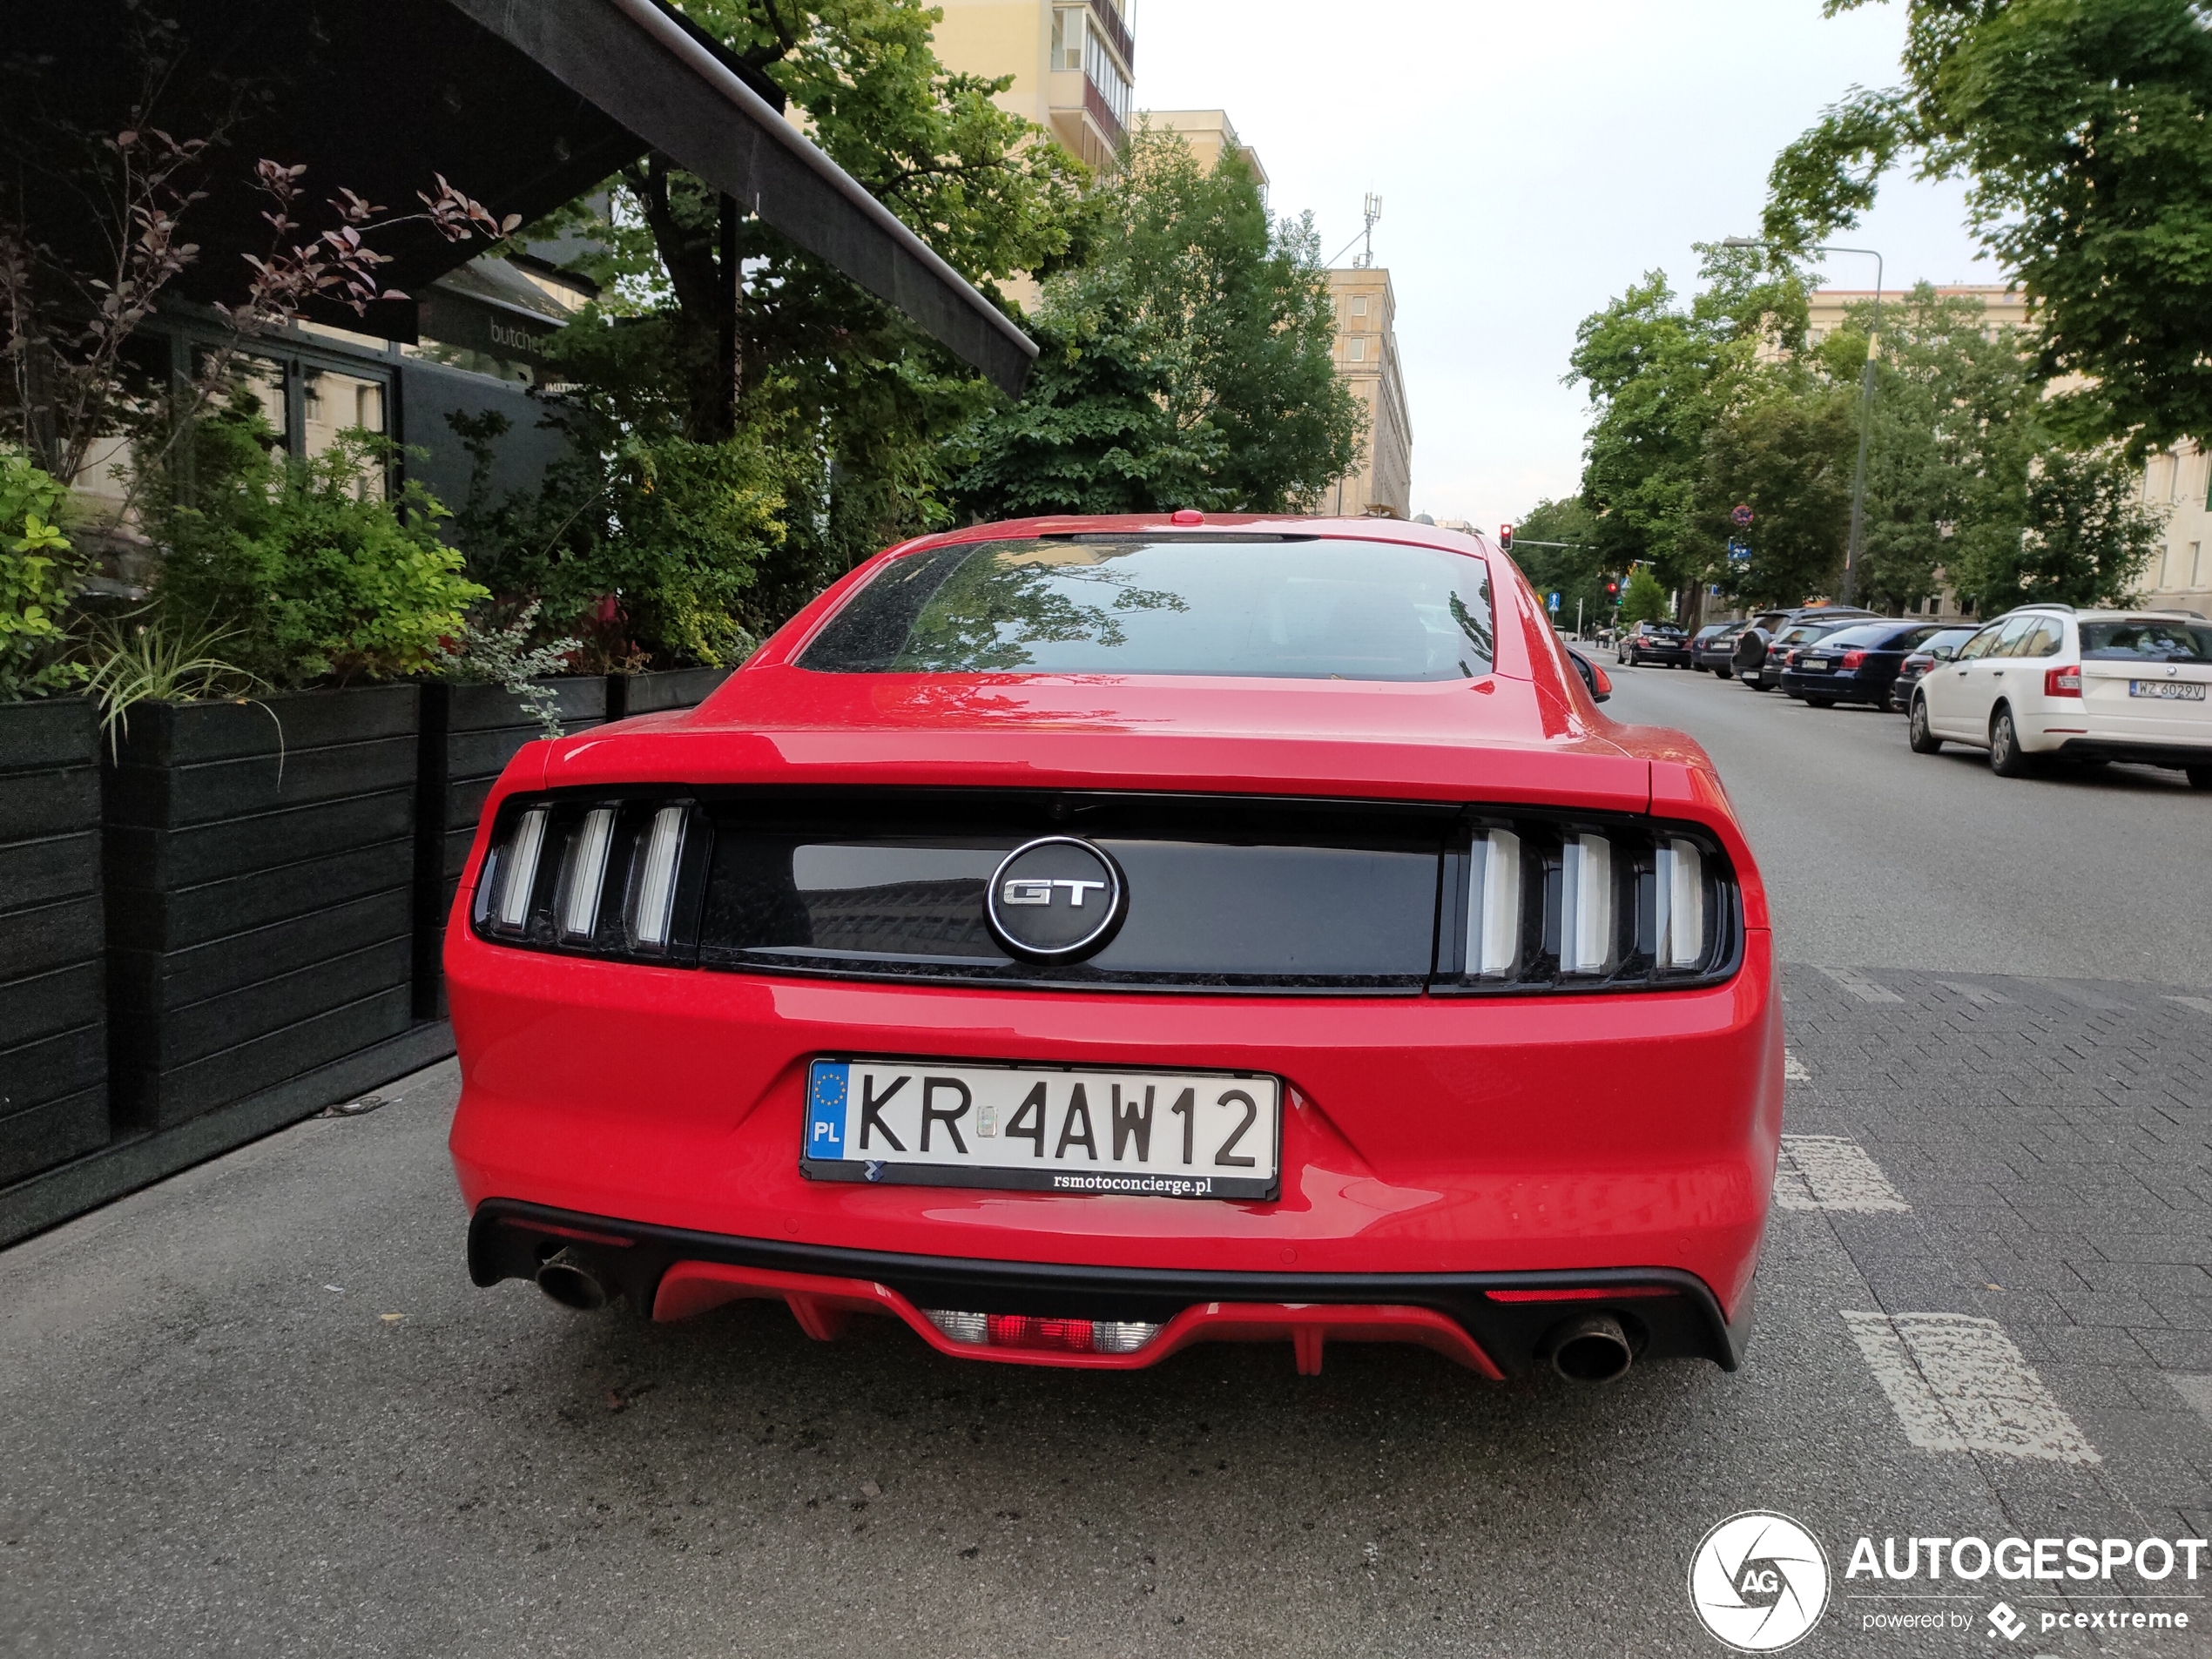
(260, 1410)
(1874, 854)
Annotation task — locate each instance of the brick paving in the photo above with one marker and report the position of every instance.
(2053, 1140)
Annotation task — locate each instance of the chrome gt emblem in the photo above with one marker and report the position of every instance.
(1056, 899)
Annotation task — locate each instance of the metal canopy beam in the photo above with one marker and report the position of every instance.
(636, 63)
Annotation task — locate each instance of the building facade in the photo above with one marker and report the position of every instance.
(1366, 359)
(1073, 65)
(1210, 136)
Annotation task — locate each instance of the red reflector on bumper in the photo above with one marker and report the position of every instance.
(1579, 1296)
(1029, 1330)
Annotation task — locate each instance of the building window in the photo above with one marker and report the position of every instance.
(1066, 38)
(1358, 304)
(2196, 564)
(1356, 351)
(1105, 74)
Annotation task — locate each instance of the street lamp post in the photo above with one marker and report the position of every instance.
(1865, 411)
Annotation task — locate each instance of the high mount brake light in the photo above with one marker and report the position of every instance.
(2062, 682)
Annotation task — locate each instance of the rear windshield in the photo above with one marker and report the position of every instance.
(1309, 608)
(2146, 641)
(1884, 635)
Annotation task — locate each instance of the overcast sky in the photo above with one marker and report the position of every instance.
(1535, 157)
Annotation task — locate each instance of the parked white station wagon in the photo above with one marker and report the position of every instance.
(2049, 681)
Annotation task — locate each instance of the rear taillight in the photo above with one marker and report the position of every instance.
(1791, 661)
(612, 877)
(2062, 682)
(1854, 660)
(1039, 1335)
(1570, 907)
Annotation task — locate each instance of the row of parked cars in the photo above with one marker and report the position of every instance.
(2040, 683)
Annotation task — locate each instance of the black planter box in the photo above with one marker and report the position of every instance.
(258, 859)
(53, 996)
(661, 692)
(470, 733)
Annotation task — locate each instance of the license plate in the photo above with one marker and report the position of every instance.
(2174, 691)
(1817, 662)
(1154, 1134)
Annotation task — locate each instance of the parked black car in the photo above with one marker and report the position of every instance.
(1755, 666)
(1714, 650)
(1855, 663)
(1653, 641)
(1936, 648)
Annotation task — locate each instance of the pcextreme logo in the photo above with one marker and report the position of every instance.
(1759, 1581)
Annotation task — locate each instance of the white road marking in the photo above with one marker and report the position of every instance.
(1859, 985)
(2203, 1005)
(1974, 994)
(1829, 1172)
(1959, 1384)
(2197, 1390)
(1793, 1069)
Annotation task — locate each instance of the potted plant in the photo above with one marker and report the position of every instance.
(53, 1019)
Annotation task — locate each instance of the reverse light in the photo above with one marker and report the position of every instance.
(2062, 682)
(1041, 1335)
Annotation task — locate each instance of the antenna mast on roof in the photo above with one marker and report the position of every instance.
(1372, 209)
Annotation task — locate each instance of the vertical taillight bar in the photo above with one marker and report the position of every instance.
(1587, 941)
(653, 907)
(518, 874)
(1680, 934)
(584, 876)
(1495, 907)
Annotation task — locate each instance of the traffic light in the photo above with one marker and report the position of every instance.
(1612, 589)
(1505, 537)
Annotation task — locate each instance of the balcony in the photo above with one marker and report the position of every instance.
(1099, 109)
(1109, 23)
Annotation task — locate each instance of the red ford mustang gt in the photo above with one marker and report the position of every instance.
(1080, 938)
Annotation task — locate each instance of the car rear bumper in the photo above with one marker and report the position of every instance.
(1657, 654)
(2129, 749)
(1494, 1324)
(1837, 688)
(1421, 1136)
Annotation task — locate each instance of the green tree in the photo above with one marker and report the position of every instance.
(1784, 447)
(1643, 599)
(2084, 537)
(1577, 572)
(1662, 377)
(1189, 364)
(2084, 129)
(840, 407)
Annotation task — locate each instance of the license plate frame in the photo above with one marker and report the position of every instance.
(2167, 691)
(856, 1106)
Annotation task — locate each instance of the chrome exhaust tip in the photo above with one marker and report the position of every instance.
(571, 1283)
(1591, 1349)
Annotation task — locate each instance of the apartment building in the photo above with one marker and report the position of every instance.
(1211, 135)
(1366, 359)
(1073, 65)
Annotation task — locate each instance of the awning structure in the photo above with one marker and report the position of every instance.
(523, 106)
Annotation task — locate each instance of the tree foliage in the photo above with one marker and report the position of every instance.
(2084, 129)
(1187, 364)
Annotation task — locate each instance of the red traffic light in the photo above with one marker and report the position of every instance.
(1505, 537)
(1612, 588)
